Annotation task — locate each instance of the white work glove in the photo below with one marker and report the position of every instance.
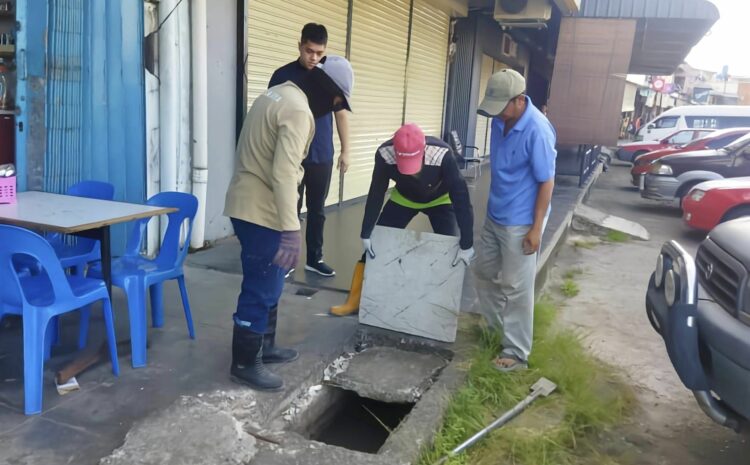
(465, 256)
(367, 245)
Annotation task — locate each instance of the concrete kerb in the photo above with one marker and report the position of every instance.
(547, 257)
(407, 441)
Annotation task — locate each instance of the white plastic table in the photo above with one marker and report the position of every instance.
(79, 216)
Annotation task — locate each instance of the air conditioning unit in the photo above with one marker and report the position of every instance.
(523, 13)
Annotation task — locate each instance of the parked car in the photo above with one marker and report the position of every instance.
(629, 152)
(672, 177)
(713, 202)
(695, 117)
(714, 140)
(701, 308)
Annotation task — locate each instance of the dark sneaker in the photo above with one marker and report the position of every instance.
(321, 268)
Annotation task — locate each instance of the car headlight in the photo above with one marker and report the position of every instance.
(663, 264)
(659, 273)
(696, 195)
(671, 287)
(658, 168)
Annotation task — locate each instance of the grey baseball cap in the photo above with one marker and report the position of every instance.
(502, 86)
(340, 71)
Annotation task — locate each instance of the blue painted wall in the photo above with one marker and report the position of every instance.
(30, 92)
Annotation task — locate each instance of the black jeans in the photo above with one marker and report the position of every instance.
(316, 182)
(442, 218)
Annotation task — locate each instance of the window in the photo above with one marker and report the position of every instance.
(722, 141)
(667, 122)
(681, 138)
(702, 122)
(734, 122)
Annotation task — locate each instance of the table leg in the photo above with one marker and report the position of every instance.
(106, 251)
(103, 236)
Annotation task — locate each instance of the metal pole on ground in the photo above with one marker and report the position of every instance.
(541, 388)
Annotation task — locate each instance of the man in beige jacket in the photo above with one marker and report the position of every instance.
(262, 204)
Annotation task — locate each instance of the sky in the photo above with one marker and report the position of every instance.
(727, 42)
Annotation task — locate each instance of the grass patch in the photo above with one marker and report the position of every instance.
(569, 288)
(572, 273)
(590, 398)
(582, 244)
(617, 236)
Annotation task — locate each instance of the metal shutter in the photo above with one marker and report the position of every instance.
(481, 137)
(274, 28)
(379, 38)
(64, 157)
(425, 80)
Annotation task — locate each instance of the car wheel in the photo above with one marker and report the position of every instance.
(736, 212)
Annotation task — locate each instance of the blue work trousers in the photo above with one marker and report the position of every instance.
(262, 281)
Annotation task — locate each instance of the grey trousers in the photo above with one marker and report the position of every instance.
(506, 285)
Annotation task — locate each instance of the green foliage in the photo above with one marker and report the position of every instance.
(589, 399)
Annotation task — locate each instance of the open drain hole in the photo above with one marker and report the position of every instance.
(356, 423)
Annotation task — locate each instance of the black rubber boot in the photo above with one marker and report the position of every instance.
(271, 353)
(247, 362)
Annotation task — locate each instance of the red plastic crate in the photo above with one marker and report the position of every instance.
(8, 190)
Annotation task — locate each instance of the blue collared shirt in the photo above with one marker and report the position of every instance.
(520, 162)
(321, 148)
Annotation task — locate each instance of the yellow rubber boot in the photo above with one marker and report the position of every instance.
(355, 292)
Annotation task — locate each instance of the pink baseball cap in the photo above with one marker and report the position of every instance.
(408, 143)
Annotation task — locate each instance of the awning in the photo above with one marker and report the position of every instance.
(568, 7)
(666, 29)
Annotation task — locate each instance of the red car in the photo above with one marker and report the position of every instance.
(713, 202)
(629, 152)
(714, 140)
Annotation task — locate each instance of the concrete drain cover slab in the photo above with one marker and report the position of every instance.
(411, 286)
(389, 375)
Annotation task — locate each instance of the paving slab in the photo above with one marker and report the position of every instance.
(390, 375)
(190, 432)
(411, 285)
(593, 221)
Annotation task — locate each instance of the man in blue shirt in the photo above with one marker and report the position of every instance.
(318, 164)
(522, 159)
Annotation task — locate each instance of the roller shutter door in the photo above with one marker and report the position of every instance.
(379, 40)
(425, 80)
(274, 28)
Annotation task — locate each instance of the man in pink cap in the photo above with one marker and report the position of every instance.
(428, 181)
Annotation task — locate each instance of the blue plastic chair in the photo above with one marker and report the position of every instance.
(84, 251)
(136, 274)
(41, 297)
(78, 255)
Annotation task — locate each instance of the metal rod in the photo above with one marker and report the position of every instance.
(505, 418)
(543, 387)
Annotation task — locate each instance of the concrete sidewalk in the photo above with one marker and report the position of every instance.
(186, 381)
(89, 424)
(343, 247)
